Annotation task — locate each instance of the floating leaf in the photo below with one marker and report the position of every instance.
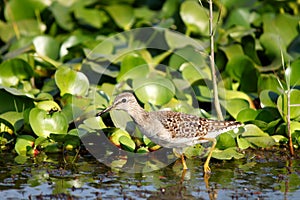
(72, 82)
(243, 143)
(257, 137)
(43, 123)
(193, 151)
(227, 154)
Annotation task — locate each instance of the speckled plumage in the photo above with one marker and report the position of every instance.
(172, 129)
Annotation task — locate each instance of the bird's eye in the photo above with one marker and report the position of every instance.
(124, 100)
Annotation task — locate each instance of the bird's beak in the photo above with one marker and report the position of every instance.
(104, 111)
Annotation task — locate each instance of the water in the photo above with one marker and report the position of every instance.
(260, 175)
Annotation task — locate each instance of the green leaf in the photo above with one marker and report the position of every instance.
(295, 73)
(238, 17)
(17, 10)
(24, 141)
(14, 100)
(193, 73)
(282, 27)
(247, 115)
(266, 141)
(269, 82)
(46, 46)
(188, 54)
(48, 106)
(155, 90)
(203, 93)
(21, 159)
(234, 106)
(92, 17)
(257, 137)
(242, 69)
(127, 143)
(133, 66)
(225, 141)
(43, 123)
(243, 143)
(294, 99)
(123, 15)
(72, 41)
(195, 17)
(62, 15)
(253, 131)
(115, 137)
(14, 118)
(72, 82)
(227, 154)
(273, 45)
(193, 151)
(268, 98)
(12, 72)
(142, 150)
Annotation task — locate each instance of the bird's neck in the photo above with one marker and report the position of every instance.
(139, 115)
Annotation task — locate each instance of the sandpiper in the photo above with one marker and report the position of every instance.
(172, 129)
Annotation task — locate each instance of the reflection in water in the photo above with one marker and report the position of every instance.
(263, 175)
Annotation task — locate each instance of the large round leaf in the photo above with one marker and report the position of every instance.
(157, 90)
(44, 123)
(13, 71)
(72, 82)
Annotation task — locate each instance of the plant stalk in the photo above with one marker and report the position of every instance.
(289, 122)
(212, 64)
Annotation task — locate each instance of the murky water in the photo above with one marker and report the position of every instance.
(261, 175)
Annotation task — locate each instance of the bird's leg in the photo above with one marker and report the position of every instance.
(183, 162)
(206, 164)
(179, 153)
